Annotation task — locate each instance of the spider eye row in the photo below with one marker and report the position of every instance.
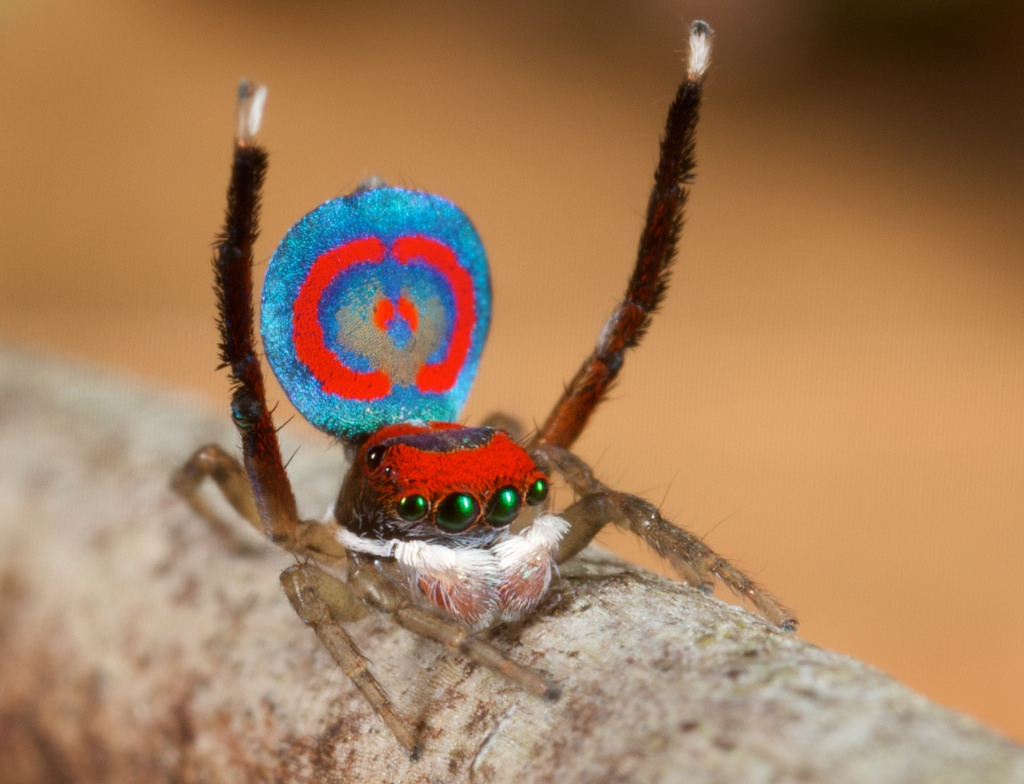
(458, 511)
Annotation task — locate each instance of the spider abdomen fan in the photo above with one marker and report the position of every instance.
(375, 310)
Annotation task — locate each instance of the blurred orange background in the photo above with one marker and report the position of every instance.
(834, 391)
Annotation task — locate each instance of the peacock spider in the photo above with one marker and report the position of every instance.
(374, 313)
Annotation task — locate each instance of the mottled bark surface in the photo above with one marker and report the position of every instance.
(135, 648)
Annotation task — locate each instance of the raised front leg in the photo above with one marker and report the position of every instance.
(261, 454)
(227, 473)
(658, 240)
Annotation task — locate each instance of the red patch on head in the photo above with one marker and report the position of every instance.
(441, 458)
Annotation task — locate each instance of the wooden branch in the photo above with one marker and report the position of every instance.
(134, 647)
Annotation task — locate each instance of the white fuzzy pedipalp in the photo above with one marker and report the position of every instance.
(381, 548)
(542, 536)
(474, 584)
(470, 563)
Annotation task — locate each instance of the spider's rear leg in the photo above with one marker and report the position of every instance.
(227, 473)
(695, 562)
(323, 602)
(386, 593)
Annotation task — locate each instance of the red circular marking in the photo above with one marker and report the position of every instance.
(310, 346)
(441, 376)
(337, 378)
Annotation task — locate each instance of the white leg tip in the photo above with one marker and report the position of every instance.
(700, 49)
(251, 98)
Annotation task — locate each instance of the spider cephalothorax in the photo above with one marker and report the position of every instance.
(374, 313)
(440, 482)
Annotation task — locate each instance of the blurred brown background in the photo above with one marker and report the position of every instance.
(834, 392)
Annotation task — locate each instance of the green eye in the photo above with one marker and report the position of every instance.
(504, 506)
(456, 512)
(413, 508)
(537, 492)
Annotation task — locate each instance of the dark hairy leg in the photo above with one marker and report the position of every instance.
(649, 280)
(261, 453)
